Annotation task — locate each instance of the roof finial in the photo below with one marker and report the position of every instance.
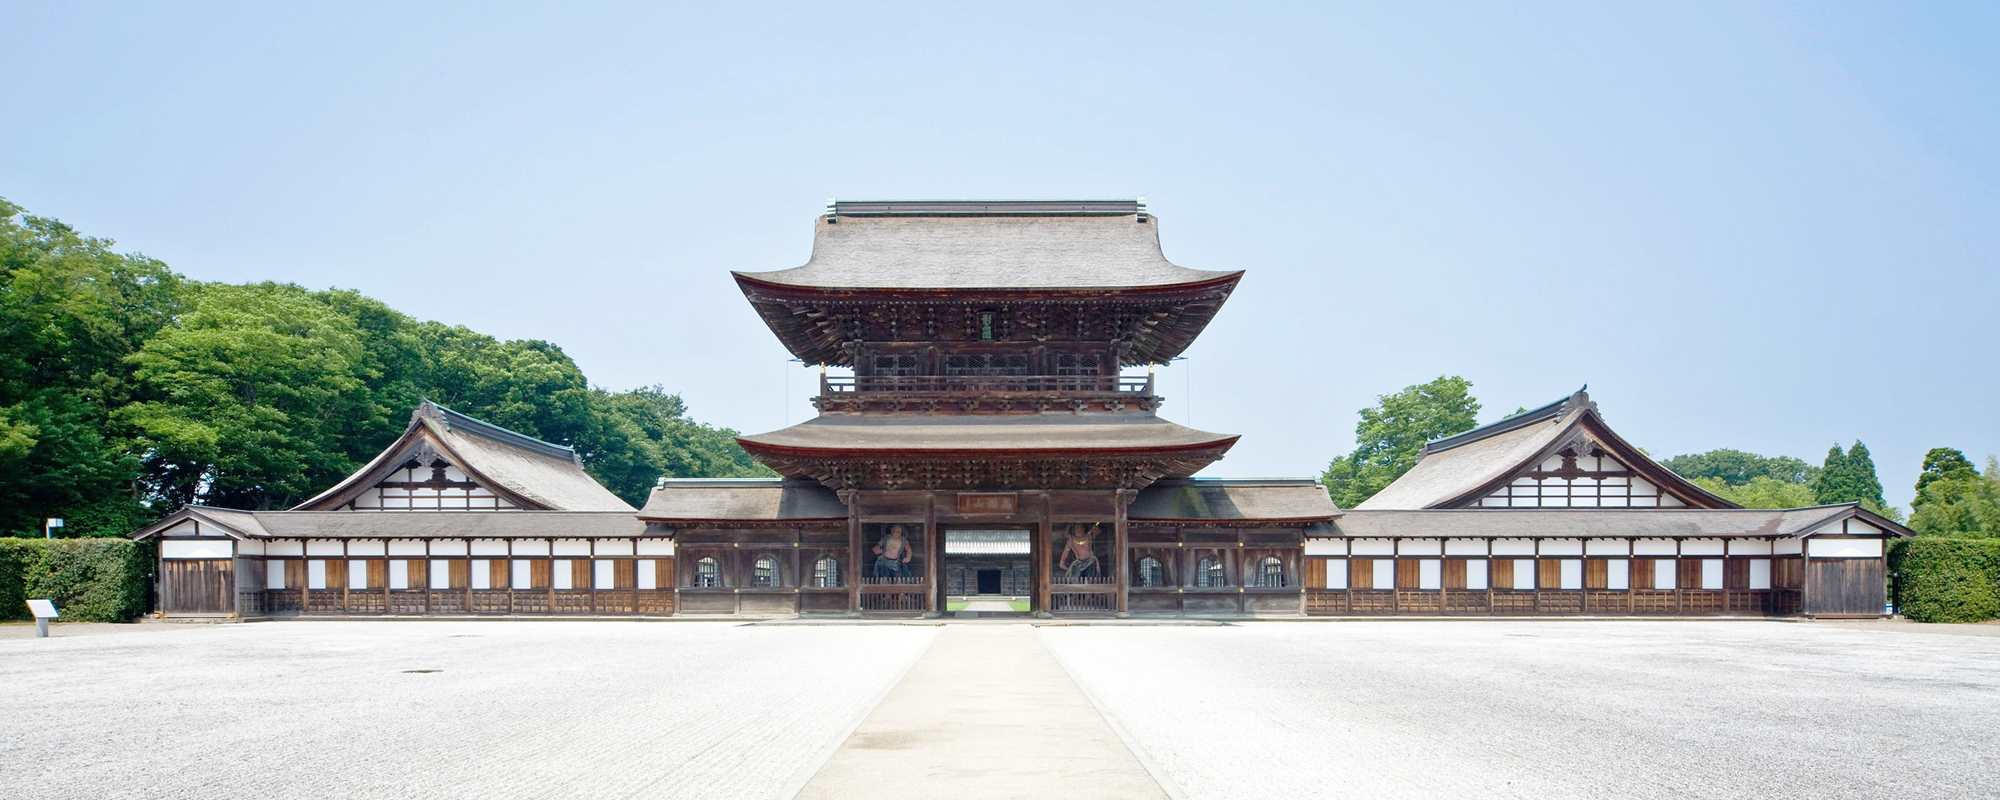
(1581, 399)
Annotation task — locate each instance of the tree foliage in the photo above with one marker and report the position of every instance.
(127, 390)
(1739, 468)
(1849, 477)
(1953, 499)
(1762, 491)
(1391, 436)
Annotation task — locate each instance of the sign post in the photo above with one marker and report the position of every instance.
(48, 528)
(44, 610)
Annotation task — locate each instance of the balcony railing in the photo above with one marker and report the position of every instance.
(957, 384)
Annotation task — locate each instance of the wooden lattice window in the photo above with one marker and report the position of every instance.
(1271, 573)
(1078, 363)
(826, 573)
(1151, 572)
(1208, 573)
(764, 572)
(707, 573)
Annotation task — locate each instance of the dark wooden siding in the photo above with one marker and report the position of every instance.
(196, 586)
(1844, 586)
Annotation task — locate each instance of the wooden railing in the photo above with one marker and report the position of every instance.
(954, 384)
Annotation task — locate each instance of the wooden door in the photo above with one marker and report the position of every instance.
(204, 586)
(1845, 586)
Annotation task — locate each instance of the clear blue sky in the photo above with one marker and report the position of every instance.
(1754, 225)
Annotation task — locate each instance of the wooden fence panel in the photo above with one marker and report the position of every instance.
(196, 586)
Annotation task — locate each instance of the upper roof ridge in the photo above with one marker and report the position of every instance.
(464, 423)
(1580, 399)
(935, 208)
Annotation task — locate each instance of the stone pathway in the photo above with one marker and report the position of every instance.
(986, 712)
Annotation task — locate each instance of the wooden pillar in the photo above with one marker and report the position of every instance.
(933, 548)
(852, 498)
(1044, 533)
(509, 571)
(347, 580)
(427, 577)
(1120, 533)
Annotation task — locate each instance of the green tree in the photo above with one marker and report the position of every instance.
(1849, 477)
(250, 393)
(1762, 491)
(1954, 499)
(1391, 436)
(1738, 468)
(636, 437)
(71, 311)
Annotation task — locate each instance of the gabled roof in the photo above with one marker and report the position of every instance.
(1585, 523)
(1459, 470)
(685, 500)
(957, 245)
(233, 523)
(1219, 499)
(528, 472)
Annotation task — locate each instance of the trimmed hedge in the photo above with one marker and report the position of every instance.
(1944, 579)
(91, 580)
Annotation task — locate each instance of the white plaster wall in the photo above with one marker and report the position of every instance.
(1419, 547)
(440, 574)
(613, 547)
(1617, 574)
(316, 574)
(1314, 547)
(489, 547)
(399, 574)
(1846, 548)
(1430, 574)
(1373, 547)
(1653, 547)
(1524, 573)
(1465, 547)
(482, 574)
(1749, 547)
(187, 548)
(1760, 573)
(665, 547)
(1383, 573)
(1513, 547)
(1336, 573)
(367, 547)
(1475, 574)
(274, 574)
(572, 547)
(406, 547)
(1701, 547)
(531, 547)
(603, 572)
(325, 547)
(250, 547)
(647, 573)
(1562, 547)
(1788, 547)
(1607, 547)
(1663, 574)
(284, 547)
(448, 547)
(563, 573)
(1711, 573)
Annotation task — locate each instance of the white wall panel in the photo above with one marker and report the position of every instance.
(1372, 547)
(366, 547)
(1562, 547)
(603, 573)
(523, 571)
(284, 547)
(440, 574)
(647, 574)
(448, 547)
(1475, 574)
(250, 547)
(1383, 573)
(1465, 547)
(1711, 573)
(482, 574)
(1663, 573)
(325, 547)
(1314, 547)
(572, 547)
(531, 547)
(1787, 547)
(357, 575)
(1513, 547)
(1701, 547)
(1617, 574)
(1749, 547)
(489, 547)
(1760, 573)
(1419, 547)
(274, 574)
(1524, 573)
(189, 548)
(665, 547)
(1430, 574)
(406, 547)
(1607, 547)
(1845, 548)
(563, 575)
(316, 574)
(613, 547)
(1336, 573)
(1572, 573)
(399, 573)
(1653, 547)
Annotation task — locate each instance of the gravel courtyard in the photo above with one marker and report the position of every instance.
(1381, 710)
(1550, 709)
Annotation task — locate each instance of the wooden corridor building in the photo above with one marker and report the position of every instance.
(990, 389)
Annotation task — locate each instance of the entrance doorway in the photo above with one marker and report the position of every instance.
(987, 571)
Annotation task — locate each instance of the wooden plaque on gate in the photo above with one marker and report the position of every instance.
(988, 503)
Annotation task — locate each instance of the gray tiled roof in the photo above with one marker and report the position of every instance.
(1002, 251)
(1221, 499)
(1569, 523)
(749, 499)
(422, 524)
